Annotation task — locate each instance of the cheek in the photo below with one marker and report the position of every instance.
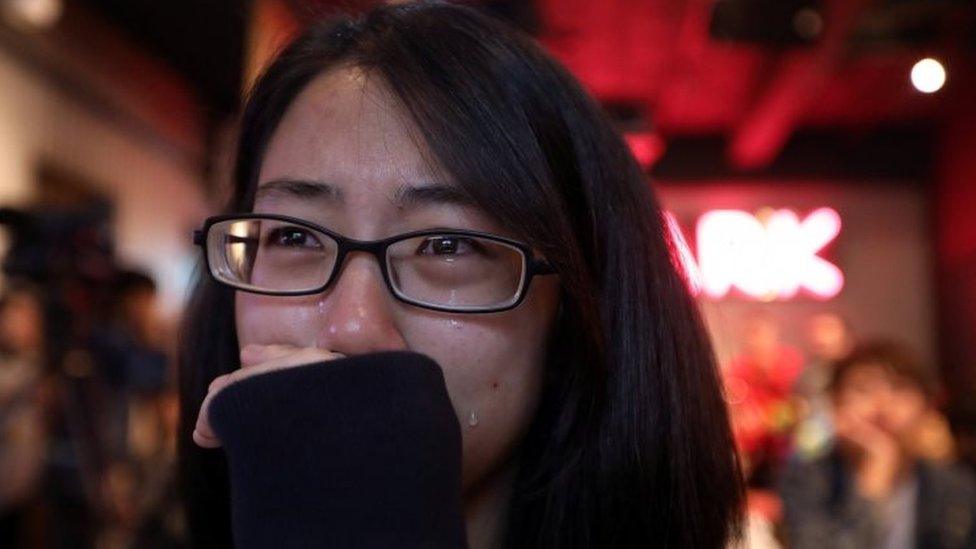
(905, 410)
(482, 364)
(268, 320)
(493, 367)
(856, 404)
(493, 376)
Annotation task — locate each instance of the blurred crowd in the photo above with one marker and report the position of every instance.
(88, 434)
(844, 444)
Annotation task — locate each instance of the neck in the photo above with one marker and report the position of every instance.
(486, 509)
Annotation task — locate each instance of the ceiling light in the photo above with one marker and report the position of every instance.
(928, 75)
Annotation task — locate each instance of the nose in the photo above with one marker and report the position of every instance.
(357, 311)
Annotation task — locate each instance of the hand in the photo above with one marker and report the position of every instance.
(255, 360)
(880, 460)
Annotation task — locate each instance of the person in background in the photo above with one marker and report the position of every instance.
(22, 439)
(829, 339)
(872, 489)
(132, 352)
(759, 383)
(962, 418)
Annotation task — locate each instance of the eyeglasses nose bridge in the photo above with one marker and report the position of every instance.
(347, 245)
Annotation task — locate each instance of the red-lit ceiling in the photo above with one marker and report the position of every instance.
(658, 56)
(659, 53)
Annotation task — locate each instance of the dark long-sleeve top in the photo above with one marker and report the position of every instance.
(357, 452)
(823, 509)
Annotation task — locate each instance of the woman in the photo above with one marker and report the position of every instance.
(574, 357)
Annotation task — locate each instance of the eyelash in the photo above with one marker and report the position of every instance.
(470, 242)
(275, 234)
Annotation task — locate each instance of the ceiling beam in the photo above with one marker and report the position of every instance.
(794, 86)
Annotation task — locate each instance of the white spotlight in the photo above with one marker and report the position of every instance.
(928, 75)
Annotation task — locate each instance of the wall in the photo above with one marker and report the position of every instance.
(955, 216)
(155, 184)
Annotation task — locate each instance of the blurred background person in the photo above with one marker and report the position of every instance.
(22, 434)
(759, 382)
(131, 350)
(962, 419)
(874, 489)
(829, 339)
(107, 453)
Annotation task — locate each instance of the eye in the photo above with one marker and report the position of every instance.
(449, 246)
(292, 237)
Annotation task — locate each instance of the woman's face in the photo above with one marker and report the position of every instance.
(344, 134)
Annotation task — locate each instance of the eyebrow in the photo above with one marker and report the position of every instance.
(405, 196)
(408, 196)
(301, 188)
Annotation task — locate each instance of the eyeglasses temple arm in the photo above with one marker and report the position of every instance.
(542, 267)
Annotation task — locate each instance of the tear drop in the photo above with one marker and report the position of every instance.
(472, 420)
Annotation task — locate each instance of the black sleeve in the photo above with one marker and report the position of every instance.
(356, 452)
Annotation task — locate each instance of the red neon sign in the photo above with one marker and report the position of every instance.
(774, 257)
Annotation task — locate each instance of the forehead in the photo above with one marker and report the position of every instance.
(866, 372)
(876, 375)
(347, 129)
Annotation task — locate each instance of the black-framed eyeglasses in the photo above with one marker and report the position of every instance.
(449, 270)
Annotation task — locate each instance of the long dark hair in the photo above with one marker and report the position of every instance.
(631, 443)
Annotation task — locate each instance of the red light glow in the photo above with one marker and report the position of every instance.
(647, 148)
